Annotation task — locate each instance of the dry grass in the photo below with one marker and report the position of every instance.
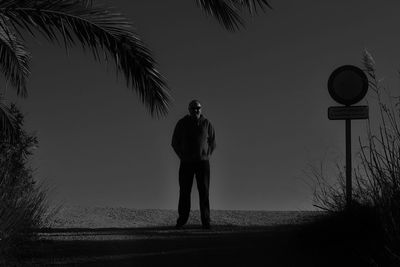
(375, 211)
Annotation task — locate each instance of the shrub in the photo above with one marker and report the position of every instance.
(22, 200)
(376, 179)
(379, 173)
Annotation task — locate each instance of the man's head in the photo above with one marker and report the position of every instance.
(195, 109)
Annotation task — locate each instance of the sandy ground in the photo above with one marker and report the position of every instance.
(111, 217)
(123, 237)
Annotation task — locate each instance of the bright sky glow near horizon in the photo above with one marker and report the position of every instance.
(263, 88)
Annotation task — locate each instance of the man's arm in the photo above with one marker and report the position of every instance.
(211, 138)
(176, 139)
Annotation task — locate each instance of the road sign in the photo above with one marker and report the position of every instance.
(347, 85)
(348, 113)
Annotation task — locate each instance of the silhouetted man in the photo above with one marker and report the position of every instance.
(194, 142)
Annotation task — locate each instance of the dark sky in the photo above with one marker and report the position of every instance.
(263, 88)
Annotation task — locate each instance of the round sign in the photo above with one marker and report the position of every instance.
(347, 85)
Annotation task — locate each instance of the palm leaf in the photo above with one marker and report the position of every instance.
(14, 59)
(252, 5)
(227, 12)
(8, 123)
(105, 33)
(14, 64)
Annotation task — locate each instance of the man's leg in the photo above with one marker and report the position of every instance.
(186, 173)
(203, 184)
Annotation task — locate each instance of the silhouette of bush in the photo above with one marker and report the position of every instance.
(22, 200)
(379, 173)
(376, 180)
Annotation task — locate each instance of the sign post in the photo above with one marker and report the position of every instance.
(347, 85)
(348, 164)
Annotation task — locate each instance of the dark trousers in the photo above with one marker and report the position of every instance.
(187, 170)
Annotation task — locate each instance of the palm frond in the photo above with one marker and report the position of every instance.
(252, 5)
(104, 32)
(8, 123)
(14, 59)
(227, 12)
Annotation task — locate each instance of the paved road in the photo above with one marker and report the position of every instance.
(284, 245)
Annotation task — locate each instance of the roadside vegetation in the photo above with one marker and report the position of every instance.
(23, 205)
(371, 226)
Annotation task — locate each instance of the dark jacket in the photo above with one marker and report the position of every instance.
(193, 139)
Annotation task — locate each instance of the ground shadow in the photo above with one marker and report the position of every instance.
(223, 245)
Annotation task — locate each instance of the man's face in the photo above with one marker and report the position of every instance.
(195, 110)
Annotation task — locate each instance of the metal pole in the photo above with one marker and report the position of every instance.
(348, 164)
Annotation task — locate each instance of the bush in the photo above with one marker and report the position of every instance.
(22, 200)
(379, 173)
(376, 180)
